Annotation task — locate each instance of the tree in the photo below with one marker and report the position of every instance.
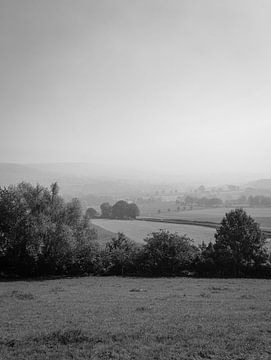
(91, 213)
(239, 244)
(168, 253)
(106, 210)
(120, 210)
(120, 253)
(133, 211)
(39, 231)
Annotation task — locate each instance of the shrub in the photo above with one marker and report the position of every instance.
(39, 232)
(165, 253)
(239, 246)
(118, 257)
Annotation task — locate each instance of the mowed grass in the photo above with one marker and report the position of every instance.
(135, 318)
(138, 230)
(261, 215)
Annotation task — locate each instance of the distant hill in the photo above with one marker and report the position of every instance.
(15, 173)
(260, 184)
(74, 179)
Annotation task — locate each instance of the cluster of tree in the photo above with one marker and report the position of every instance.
(259, 200)
(239, 250)
(253, 201)
(40, 234)
(204, 201)
(120, 210)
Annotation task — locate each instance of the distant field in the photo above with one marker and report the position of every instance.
(103, 235)
(114, 318)
(261, 215)
(138, 230)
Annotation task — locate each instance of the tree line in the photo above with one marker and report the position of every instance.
(41, 234)
(120, 210)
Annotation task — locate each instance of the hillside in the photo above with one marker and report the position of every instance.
(73, 179)
(260, 184)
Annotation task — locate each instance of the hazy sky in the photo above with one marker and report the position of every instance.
(180, 86)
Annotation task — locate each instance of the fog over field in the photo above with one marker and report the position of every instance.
(171, 89)
(135, 179)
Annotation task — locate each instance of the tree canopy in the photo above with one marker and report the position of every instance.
(239, 242)
(39, 232)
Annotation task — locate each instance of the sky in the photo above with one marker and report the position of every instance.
(175, 86)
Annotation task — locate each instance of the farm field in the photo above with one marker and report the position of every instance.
(135, 318)
(103, 235)
(261, 215)
(138, 230)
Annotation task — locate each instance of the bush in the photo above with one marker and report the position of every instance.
(118, 257)
(239, 246)
(39, 233)
(165, 253)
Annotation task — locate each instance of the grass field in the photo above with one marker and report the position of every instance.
(138, 230)
(261, 215)
(131, 318)
(103, 235)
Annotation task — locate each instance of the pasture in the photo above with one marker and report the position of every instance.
(261, 215)
(138, 230)
(135, 318)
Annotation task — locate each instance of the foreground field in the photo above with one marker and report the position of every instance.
(130, 318)
(261, 215)
(138, 230)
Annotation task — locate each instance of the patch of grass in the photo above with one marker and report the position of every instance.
(138, 230)
(19, 295)
(100, 318)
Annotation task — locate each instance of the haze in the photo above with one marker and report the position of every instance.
(179, 87)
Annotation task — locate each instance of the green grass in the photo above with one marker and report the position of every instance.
(261, 215)
(131, 318)
(138, 230)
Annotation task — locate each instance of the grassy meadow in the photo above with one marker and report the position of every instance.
(135, 318)
(261, 215)
(138, 230)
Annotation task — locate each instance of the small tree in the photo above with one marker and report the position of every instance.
(239, 244)
(168, 253)
(133, 211)
(91, 213)
(39, 232)
(106, 210)
(120, 210)
(120, 253)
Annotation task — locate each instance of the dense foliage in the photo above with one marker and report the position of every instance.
(166, 253)
(120, 210)
(41, 234)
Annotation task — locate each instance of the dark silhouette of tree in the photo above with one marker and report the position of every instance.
(39, 232)
(91, 213)
(133, 211)
(106, 210)
(166, 253)
(120, 210)
(239, 244)
(121, 253)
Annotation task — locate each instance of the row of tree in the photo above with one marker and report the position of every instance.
(40, 234)
(253, 201)
(203, 201)
(120, 210)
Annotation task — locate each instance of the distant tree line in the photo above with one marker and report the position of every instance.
(41, 234)
(120, 210)
(203, 201)
(252, 201)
